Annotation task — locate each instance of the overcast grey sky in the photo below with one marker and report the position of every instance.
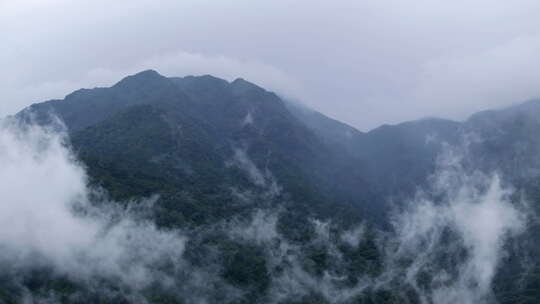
(365, 62)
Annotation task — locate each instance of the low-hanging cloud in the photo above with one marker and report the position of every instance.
(446, 244)
(47, 217)
(455, 233)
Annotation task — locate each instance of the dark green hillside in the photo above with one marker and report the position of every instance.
(218, 154)
(149, 134)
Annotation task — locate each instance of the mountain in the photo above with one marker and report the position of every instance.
(506, 139)
(214, 151)
(203, 136)
(330, 130)
(182, 134)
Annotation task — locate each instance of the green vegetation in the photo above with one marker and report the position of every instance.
(178, 138)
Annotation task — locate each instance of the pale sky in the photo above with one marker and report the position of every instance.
(364, 62)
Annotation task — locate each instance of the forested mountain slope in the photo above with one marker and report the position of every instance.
(219, 157)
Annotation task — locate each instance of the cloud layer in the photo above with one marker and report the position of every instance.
(365, 63)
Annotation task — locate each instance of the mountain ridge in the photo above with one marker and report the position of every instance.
(214, 153)
(388, 161)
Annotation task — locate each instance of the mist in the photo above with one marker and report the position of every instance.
(350, 60)
(269, 152)
(456, 232)
(446, 244)
(48, 217)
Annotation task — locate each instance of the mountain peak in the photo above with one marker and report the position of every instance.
(201, 82)
(239, 85)
(144, 77)
(148, 73)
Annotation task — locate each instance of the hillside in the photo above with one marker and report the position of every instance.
(216, 154)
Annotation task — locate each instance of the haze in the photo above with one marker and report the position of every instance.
(363, 62)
